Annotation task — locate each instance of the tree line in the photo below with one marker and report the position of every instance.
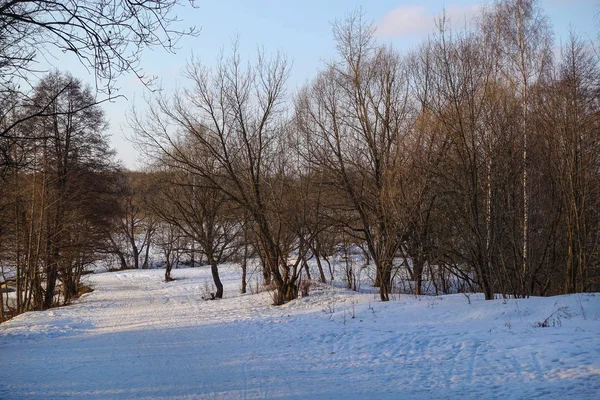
(475, 156)
(59, 195)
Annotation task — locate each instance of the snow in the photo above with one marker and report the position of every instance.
(136, 336)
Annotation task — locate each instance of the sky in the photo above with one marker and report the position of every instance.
(300, 29)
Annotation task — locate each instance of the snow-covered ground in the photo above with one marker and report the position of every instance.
(138, 337)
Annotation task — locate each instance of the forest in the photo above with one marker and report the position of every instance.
(474, 158)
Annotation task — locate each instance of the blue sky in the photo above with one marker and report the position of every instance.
(301, 29)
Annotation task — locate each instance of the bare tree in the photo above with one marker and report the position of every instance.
(131, 236)
(354, 117)
(456, 78)
(235, 114)
(524, 45)
(107, 37)
(202, 214)
(56, 216)
(172, 243)
(567, 115)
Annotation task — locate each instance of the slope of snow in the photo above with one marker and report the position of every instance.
(138, 337)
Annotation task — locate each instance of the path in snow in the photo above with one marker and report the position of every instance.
(138, 337)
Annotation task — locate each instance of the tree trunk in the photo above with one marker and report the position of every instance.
(193, 255)
(319, 264)
(70, 281)
(136, 257)
(384, 273)
(418, 268)
(288, 291)
(168, 269)
(146, 254)
(244, 273)
(214, 269)
(266, 272)
(122, 260)
(244, 264)
(2, 304)
(329, 267)
(119, 253)
(52, 275)
(306, 268)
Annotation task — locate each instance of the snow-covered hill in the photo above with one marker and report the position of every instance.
(138, 337)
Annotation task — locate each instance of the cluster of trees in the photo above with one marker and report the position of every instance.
(59, 195)
(476, 155)
(56, 192)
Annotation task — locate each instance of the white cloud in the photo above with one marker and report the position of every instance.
(406, 20)
(418, 20)
(561, 2)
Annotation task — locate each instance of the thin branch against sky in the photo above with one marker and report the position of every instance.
(302, 30)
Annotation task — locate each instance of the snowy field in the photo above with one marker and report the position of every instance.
(138, 337)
